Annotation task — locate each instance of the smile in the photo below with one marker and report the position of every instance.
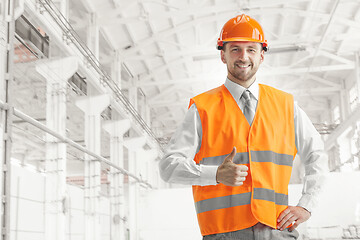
(242, 66)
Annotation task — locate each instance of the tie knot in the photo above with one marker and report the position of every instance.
(246, 95)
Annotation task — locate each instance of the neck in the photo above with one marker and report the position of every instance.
(245, 84)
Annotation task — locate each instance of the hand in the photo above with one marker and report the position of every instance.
(292, 214)
(231, 174)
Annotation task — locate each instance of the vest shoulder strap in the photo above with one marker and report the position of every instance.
(271, 91)
(204, 99)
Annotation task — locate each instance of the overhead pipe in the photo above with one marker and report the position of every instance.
(41, 126)
(75, 39)
(332, 18)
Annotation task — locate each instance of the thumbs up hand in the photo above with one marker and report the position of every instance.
(231, 174)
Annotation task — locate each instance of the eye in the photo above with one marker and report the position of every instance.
(252, 50)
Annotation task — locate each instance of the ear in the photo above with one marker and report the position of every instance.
(262, 54)
(223, 59)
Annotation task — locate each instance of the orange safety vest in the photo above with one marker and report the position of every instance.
(267, 147)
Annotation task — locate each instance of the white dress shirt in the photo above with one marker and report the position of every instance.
(178, 165)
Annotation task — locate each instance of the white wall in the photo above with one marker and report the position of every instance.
(170, 213)
(27, 208)
(339, 202)
(26, 204)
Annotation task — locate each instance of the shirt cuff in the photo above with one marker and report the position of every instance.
(208, 175)
(307, 202)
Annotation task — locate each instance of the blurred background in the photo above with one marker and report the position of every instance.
(92, 91)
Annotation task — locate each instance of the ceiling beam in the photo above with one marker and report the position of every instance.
(177, 81)
(313, 91)
(253, 8)
(324, 34)
(169, 90)
(324, 81)
(160, 104)
(335, 57)
(289, 70)
(349, 32)
(349, 122)
(222, 16)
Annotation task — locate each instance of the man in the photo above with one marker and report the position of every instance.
(244, 194)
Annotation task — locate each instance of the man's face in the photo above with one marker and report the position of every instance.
(243, 60)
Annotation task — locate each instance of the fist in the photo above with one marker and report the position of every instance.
(231, 174)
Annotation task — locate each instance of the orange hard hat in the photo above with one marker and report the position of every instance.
(242, 28)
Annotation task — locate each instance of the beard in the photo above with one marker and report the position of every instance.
(242, 76)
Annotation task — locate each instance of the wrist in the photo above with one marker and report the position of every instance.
(208, 175)
(305, 209)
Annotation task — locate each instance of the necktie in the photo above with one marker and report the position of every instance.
(249, 110)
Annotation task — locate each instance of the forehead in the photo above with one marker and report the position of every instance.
(244, 44)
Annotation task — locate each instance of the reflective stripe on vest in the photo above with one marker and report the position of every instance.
(241, 199)
(267, 148)
(258, 156)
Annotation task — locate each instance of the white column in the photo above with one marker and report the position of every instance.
(133, 145)
(357, 76)
(92, 106)
(6, 78)
(63, 6)
(56, 73)
(93, 35)
(133, 96)
(147, 113)
(116, 68)
(116, 129)
(344, 102)
(151, 166)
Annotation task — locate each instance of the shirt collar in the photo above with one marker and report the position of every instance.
(237, 90)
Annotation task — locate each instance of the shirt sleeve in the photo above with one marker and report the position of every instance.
(312, 154)
(178, 165)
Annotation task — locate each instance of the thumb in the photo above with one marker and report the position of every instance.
(231, 156)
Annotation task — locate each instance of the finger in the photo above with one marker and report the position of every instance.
(295, 225)
(288, 222)
(242, 174)
(240, 179)
(231, 156)
(284, 220)
(238, 183)
(283, 214)
(242, 169)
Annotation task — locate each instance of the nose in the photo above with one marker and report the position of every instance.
(242, 55)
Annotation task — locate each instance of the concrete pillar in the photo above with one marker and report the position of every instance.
(56, 73)
(357, 76)
(116, 129)
(92, 106)
(344, 102)
(7, 31)
(63, 6)
(334, 157)
(147, 115)
(116, 68)
(133, 145)
(133, 96)
(92, 39)
(150, 167)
